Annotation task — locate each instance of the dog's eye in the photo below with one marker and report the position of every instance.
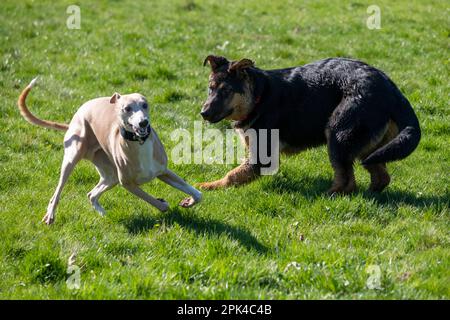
(127, 109)
(145, 106)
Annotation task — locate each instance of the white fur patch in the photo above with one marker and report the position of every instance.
(33, 82)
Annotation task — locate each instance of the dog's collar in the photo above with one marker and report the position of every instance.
(250, 119)
(131, 136)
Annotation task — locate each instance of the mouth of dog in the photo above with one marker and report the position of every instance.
(221, 117)
(141, 132)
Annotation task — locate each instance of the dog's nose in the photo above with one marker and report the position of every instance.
(204, 114)
(143, 123)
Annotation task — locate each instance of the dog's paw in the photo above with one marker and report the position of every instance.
(334, 192)
(48, 219)
(163, 205)
(187, 202)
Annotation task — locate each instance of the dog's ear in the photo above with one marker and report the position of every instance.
(240, 65)
(114, 98)
(215, 62)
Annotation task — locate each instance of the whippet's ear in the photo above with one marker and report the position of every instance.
(215, 62)
(240, 65)
(114, 98)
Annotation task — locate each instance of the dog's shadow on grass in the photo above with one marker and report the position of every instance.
(314, 188)
(394, 198)
(144, 222)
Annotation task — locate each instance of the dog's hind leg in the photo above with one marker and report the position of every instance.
(160, 204)
(175, 181)
(73, 152)
(379, 177)
(342, 163)
(344, 179)
(108, 179)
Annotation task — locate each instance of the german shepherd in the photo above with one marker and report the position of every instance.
(351, 106)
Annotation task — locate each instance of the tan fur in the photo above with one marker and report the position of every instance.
(242, 105)
(240, 175)
(389, 132)
(344, 180)
(93, 134)
(379, 177)
(21, 103)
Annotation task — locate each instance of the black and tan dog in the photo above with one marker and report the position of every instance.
(352, 107)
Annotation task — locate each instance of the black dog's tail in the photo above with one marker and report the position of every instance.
(407, 139)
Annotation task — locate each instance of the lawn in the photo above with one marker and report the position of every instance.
(280, 237)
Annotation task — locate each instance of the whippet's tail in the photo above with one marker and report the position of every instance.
(31, 118)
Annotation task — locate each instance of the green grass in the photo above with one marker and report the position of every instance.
(241, 242)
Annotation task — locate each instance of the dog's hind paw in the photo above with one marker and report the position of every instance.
(333, 192)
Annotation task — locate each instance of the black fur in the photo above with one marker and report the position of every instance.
(351, 99)
(342, 102)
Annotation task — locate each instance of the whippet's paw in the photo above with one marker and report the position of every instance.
(98, 208)
(188, 202)
(48, 219)
(163, 206)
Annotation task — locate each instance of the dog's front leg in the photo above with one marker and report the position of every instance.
(243, 174)
(160, 204)
(175, 181)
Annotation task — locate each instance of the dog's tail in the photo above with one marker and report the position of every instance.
(407, 139)
(32, 118)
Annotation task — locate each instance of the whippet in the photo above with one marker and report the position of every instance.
(114, 133)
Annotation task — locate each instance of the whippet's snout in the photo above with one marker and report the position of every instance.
(143, 123)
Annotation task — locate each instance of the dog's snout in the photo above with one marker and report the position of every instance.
(205, 113)
(143, 123)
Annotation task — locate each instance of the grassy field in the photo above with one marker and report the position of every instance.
(279, 237)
